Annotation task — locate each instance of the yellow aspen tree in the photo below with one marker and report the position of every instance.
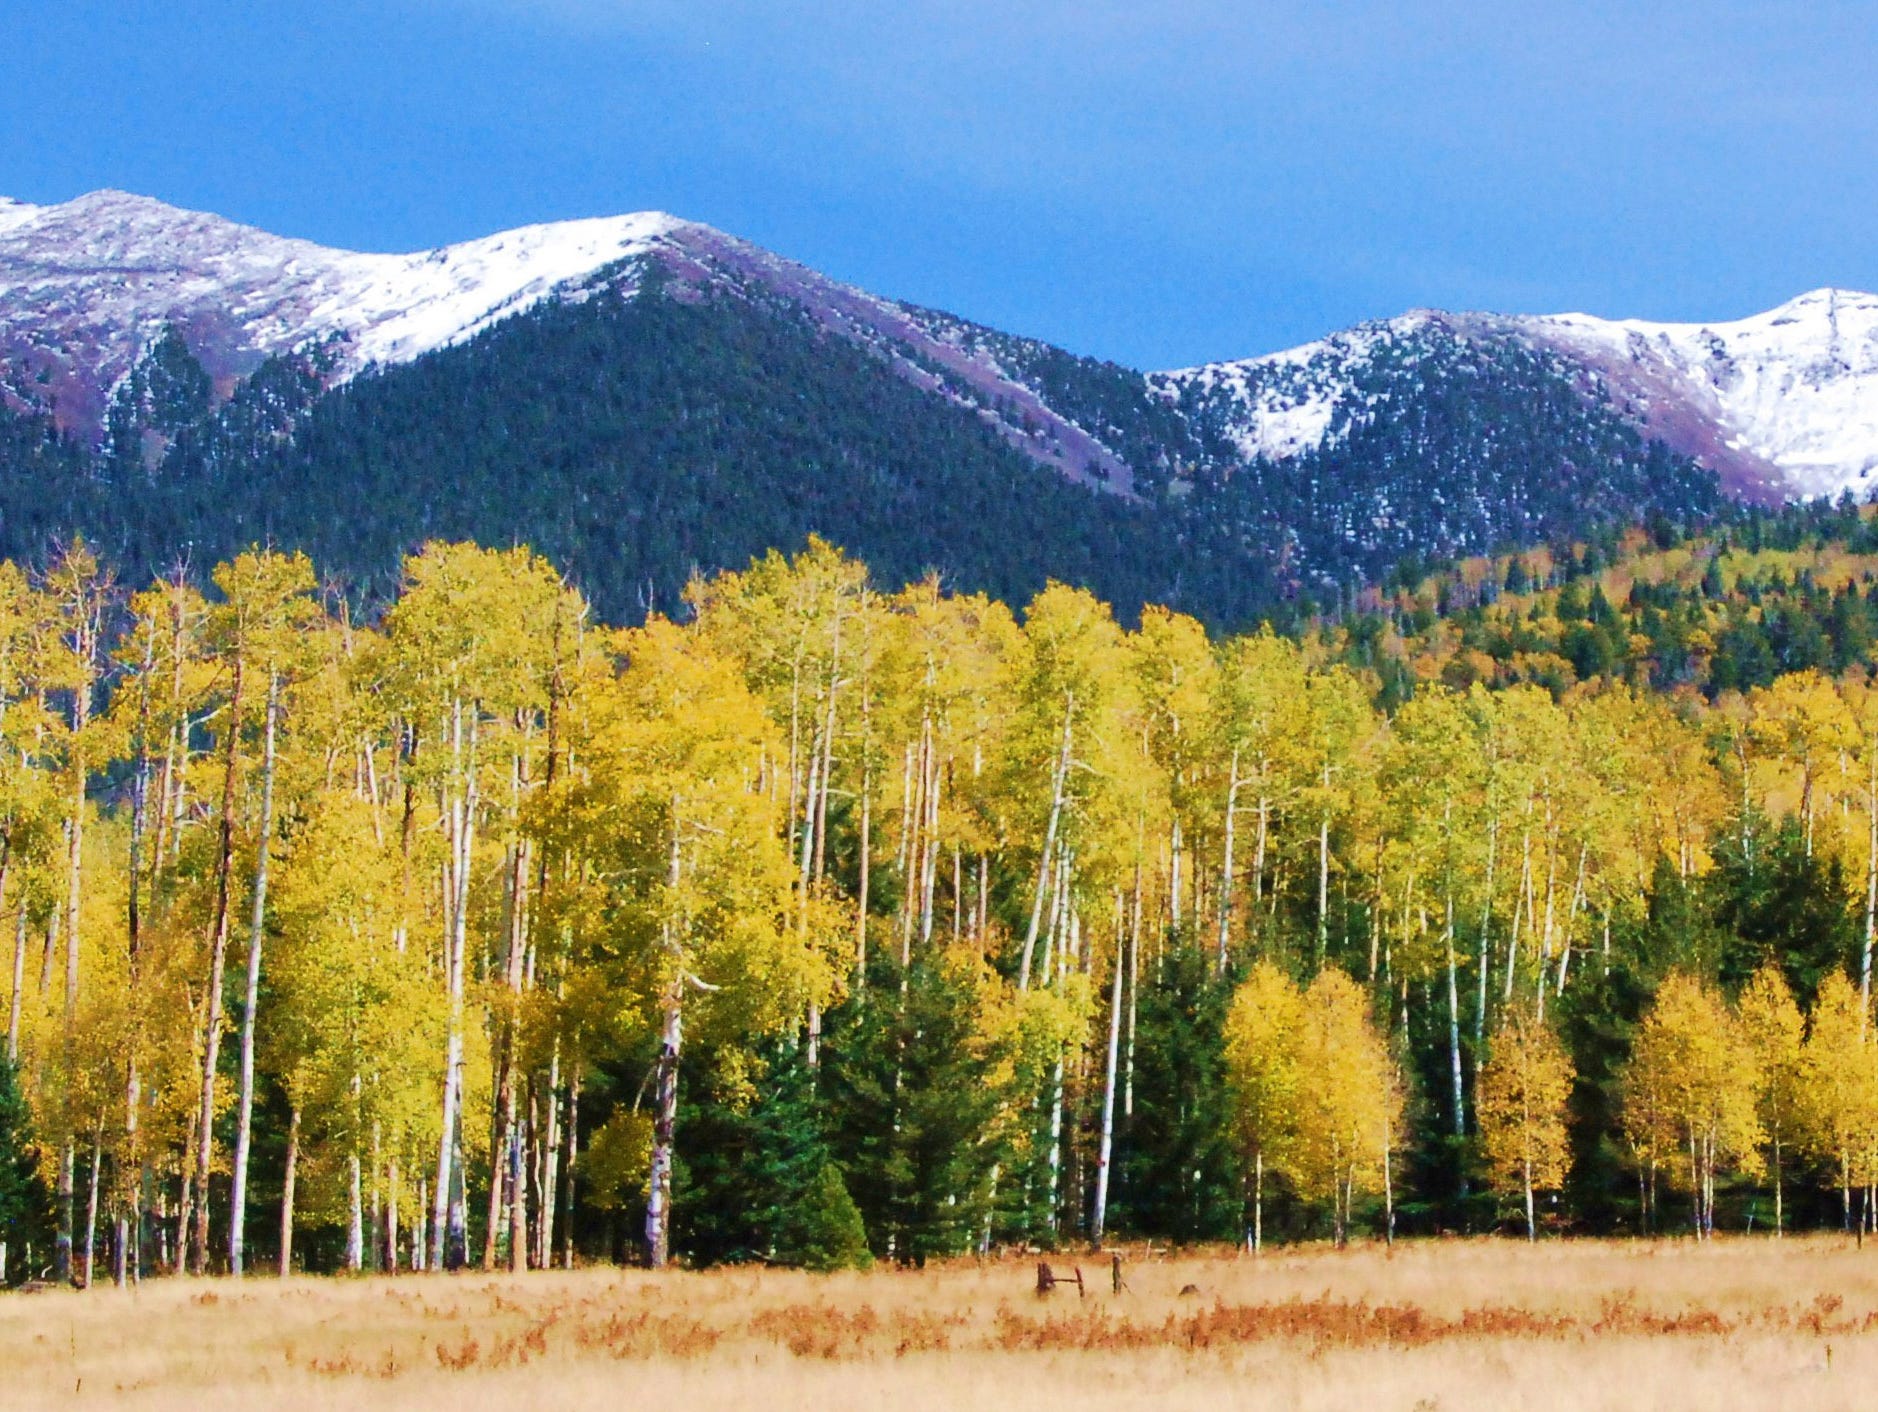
(1801, 723)
(696, 884)
(1521, 1104)
(1174, 672)
(1839, 1087)
(1692, 1075)
(1349, 1103)
(1258, 720)
(78, 589)
(1264, 1057)
(1776, 1032)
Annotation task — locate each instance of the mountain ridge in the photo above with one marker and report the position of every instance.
(1773, 415)
(650, 397)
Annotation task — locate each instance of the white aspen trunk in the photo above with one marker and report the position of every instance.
(355, 1215)
(392, 1184)
(665, 1113)
(1056, 1137)
(84, 648)
(913, 861)
(1532, 1225)
(19, 985)
(572, 1139)
(795, 741)
(1059, 783)
(1551, 877)
(91, 1202)
(865, 846)
(1225, 871)
(1454, 1029)
(420, 1228)
(1519, 900)
(1388, 1179)
(462, 817)
(958, 894)
(929, 864)
(1099, 1221)
(1258, 1201)
(981, 916)
(664, 1128)
(1323, 874)
(550, 1160)
(1871, 887)
(1780, 1225)
(903, 856)
(1258, 849)
(1174, 841)
(1134, 989)
(244, 1118)
(218, 957)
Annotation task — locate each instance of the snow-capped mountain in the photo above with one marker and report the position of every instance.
(1779, 405)
(87, 287)
(642, 396)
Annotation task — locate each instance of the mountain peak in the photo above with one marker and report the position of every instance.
(87, 285)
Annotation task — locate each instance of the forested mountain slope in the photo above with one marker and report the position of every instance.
(644, 396)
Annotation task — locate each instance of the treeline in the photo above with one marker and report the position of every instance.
(837, 922)
(1759, 595)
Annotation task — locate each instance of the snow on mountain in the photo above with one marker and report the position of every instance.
(13, 213)
(1793, 391)
(86, 285)
(1781, 404)
(1282, 404)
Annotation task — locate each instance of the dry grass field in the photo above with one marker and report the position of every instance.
(1483, 1324)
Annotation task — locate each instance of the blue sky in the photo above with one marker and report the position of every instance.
(1156, 183)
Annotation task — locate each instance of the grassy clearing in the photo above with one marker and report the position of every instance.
(1450, 1325)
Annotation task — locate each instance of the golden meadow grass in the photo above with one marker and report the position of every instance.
(1743, 1323)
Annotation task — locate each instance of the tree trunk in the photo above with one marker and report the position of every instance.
(19, 983)
(391, 1218)
(1258, 1201)
(462, 820)
(665, 1114)
(244, 1122)
(91, 1202)
(1486, 929)
(1779, 1194)
(218, 957)
(355, 1215)
(1323, 876)
(1059, 783)
(1454, 1033)
(1532, 1227)
(1225, 872)
(864, 845)
(572, 1139)
(1134, 990)
(664, 1130)
(74, 875)
(286, 1192)
(1099, 1222)
(1871, 888)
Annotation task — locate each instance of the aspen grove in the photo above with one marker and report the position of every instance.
(825, 923)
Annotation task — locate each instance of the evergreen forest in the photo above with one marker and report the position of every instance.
(648, 428)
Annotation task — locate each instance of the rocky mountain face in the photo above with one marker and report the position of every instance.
(643, 396)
